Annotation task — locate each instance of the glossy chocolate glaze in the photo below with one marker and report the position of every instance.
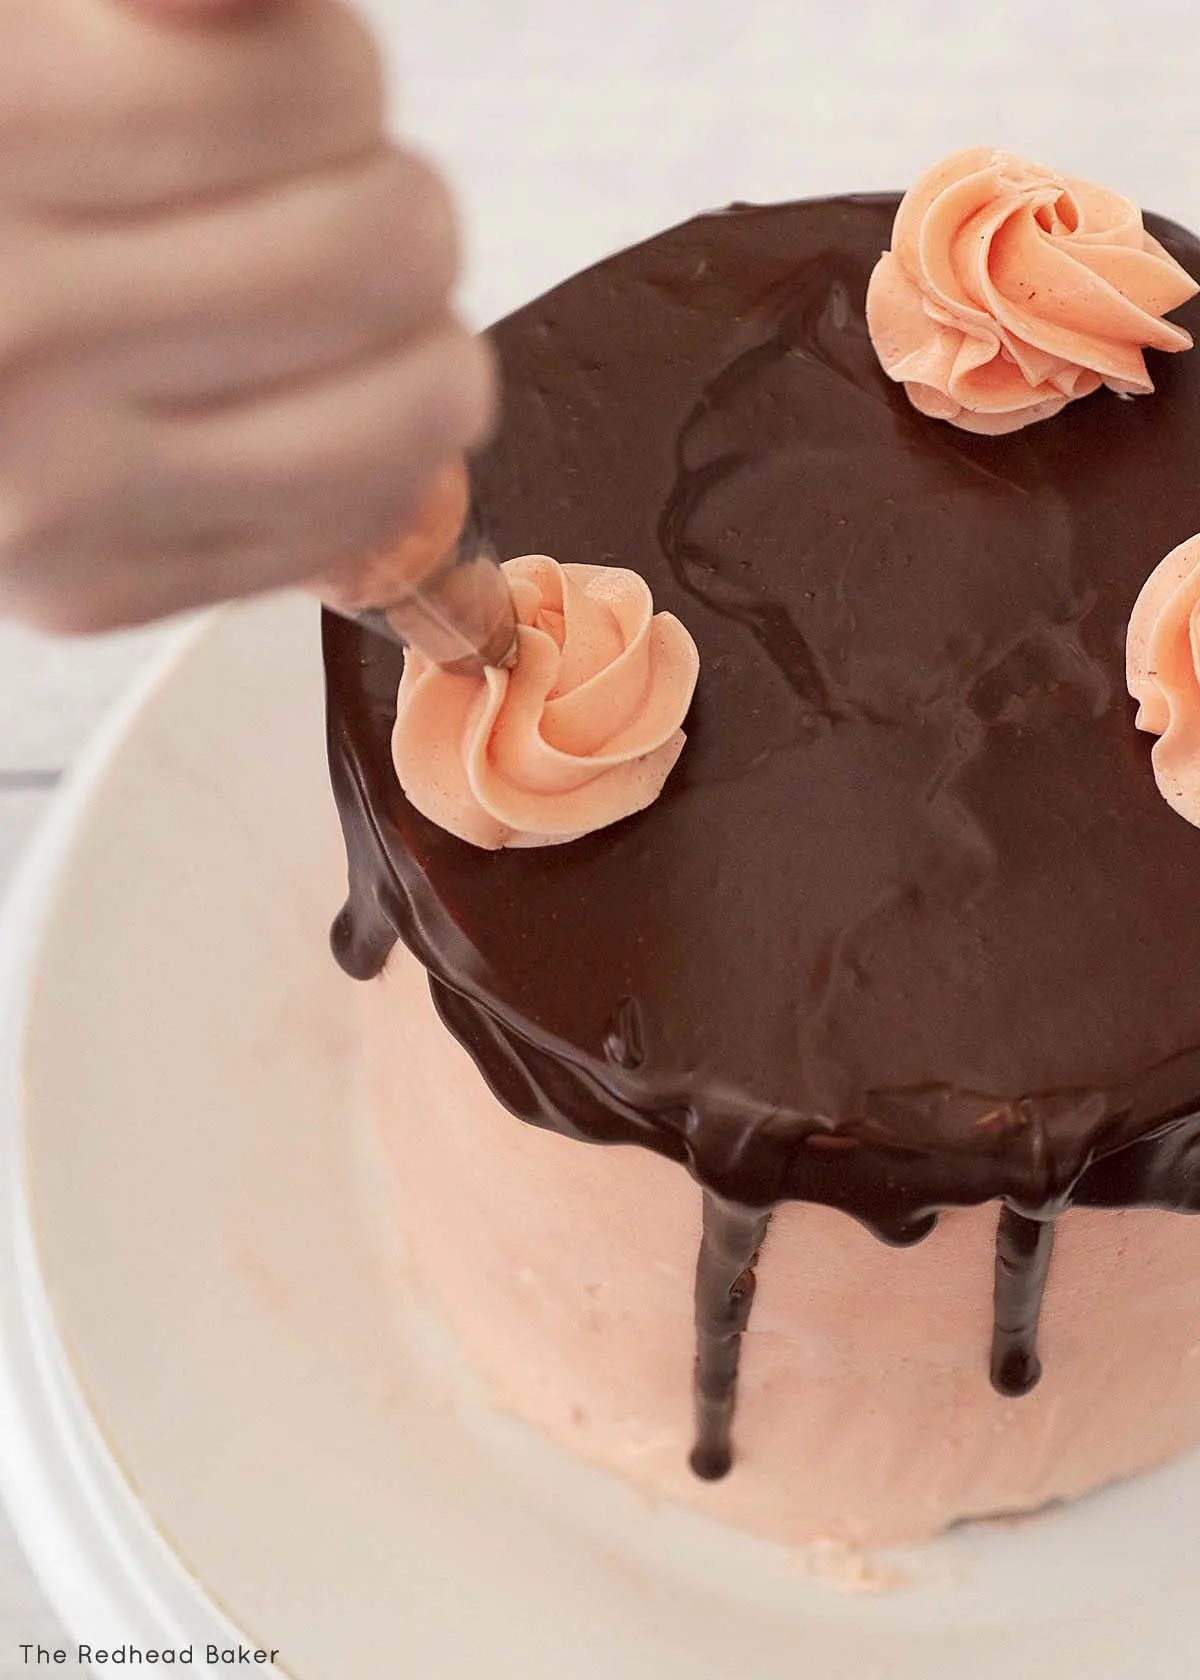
(906, 928)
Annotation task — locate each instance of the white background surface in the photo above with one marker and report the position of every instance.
(573, 126)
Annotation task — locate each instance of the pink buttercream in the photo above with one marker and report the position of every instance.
(583, 731)
(1162, 663)
(1010, 290)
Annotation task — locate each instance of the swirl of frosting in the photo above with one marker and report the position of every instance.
(1162, 669)
(1010, 290)
(584, 730)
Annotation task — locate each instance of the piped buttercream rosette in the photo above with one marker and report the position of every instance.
(1162, 665)
(583, 731)
(1010, 290)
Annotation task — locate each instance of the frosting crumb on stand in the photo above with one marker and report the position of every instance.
(1009, 291)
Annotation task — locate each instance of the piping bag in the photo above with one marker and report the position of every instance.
(439, 589)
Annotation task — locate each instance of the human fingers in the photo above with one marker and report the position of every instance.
(207, 305)
(108, 110)
(156, 516)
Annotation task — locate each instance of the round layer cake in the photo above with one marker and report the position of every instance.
(907, 935)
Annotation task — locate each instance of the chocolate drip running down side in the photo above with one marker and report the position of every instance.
(729, 1246)
(1023, 1249)
(904, 930)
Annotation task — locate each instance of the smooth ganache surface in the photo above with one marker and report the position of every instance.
(910, 925)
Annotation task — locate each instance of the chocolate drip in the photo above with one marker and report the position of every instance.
(729, 1245)
(1023, 1249)
(360, 943)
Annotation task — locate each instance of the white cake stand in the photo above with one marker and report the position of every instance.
(223, 1418)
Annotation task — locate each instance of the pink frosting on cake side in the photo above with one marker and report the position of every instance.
(1162, 663)
(567, 1272)
(582, 732)
(1010, 290)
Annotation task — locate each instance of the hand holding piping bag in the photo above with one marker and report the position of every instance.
(439, 587)
(229, 360)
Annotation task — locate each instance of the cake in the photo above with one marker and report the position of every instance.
(881, 1009)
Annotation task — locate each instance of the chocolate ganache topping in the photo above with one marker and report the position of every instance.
(910, 925)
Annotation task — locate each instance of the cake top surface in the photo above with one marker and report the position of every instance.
(910, 911)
